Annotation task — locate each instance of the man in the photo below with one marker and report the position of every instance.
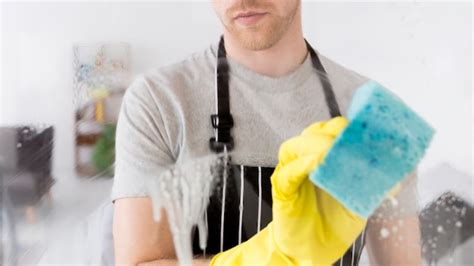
(274, 93)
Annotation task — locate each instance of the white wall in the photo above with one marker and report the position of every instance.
(421, 51)
(37, 53)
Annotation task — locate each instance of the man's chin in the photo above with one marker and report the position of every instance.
(256, 41)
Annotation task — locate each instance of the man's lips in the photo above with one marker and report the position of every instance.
(249, 18)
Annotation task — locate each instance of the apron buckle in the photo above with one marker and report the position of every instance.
(222, 121)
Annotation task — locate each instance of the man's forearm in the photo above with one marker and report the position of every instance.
(175, 262)
(402, 247)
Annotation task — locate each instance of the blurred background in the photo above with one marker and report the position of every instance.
(65, 67)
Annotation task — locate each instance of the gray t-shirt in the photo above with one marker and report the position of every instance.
(165, 115)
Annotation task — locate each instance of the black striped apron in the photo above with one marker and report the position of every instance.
(241, 204)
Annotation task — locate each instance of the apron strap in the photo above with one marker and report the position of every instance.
(222, 121)
(324, 79)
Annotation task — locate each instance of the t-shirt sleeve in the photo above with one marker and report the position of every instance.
(141, 149)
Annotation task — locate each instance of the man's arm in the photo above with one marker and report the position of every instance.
(393, 232)
(138, 239)
(174, 262)
(142, 153)
(399, 247)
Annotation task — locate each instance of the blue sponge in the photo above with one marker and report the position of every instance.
(384, 141)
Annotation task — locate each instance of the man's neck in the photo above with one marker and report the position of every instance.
(280, 59)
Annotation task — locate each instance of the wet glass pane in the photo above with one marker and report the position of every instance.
(97, 104)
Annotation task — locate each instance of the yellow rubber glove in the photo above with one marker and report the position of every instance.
(309, 227)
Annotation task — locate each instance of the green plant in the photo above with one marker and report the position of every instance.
(104, 151)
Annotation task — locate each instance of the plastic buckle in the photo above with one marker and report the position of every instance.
(220, 121)
(223, 124)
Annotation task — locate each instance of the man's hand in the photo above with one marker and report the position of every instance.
(301, 209)
(309, 227)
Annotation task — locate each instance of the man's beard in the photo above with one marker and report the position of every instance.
(264, 36)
